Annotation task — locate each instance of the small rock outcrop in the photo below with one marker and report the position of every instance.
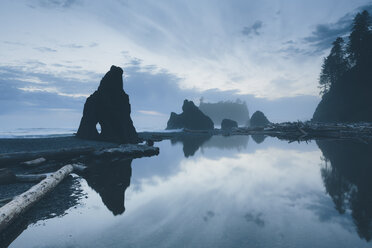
(191, 118)
(228, 124)
(258, 119)
(109, 106)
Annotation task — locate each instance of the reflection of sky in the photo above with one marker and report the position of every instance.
(266, 195)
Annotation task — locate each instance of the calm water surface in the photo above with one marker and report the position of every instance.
(235, 191)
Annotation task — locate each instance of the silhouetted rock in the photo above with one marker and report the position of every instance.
(191, 118)
(228, 124)
(346, 76)
(349, 99)
(258, 119)
(109, 106)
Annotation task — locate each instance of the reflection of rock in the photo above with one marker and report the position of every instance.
(238, 142)
(258, 138)
(109, 106)
(110, 180)
(228, 124)
(258, 119)
(191, 118)
(191, 143)
(347, 174)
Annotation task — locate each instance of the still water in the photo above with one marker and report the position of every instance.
(238, 191)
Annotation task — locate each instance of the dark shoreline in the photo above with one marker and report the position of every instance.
(290, 131)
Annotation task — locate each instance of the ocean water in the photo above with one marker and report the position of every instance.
(36, 132)
(55, 132)
(237, 191)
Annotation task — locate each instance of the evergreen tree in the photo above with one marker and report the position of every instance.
(324, 79)
(359, 47)
(334, 66)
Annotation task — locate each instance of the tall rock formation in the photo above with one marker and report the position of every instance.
(109, 106)
(191, 118)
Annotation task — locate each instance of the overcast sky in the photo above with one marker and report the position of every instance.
(53, 54)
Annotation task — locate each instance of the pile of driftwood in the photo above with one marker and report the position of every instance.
(13, 207)
(303, 131)
(21, 203)
(291, 131)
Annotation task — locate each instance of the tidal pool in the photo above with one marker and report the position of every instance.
(237, 191)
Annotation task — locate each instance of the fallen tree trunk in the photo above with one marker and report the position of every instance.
(10, 211)
(34, 162)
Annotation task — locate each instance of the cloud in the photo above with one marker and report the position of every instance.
(326, 33)
(93, 44)
(53, 91)
(45, 49)
(254, 28)
(151, 112)
(57, 3)
(72, 45)
(22, 89)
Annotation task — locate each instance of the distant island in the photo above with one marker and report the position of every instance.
(237, 111)
(346, 76)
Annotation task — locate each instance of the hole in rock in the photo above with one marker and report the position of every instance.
(98, 127)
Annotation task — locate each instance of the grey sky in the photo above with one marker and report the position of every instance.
(265, 52)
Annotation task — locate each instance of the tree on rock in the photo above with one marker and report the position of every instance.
(346, 93)
(359, 47)
(334, 66)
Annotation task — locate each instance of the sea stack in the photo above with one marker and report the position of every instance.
(109, 106)
(258, 119)
(228, 124)
(191, 118)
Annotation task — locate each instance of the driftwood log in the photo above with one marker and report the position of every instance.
(34, 162)
(10, 211)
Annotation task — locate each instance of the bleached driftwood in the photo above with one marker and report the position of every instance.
(10, 211)
(34, 162)
(128, 150)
